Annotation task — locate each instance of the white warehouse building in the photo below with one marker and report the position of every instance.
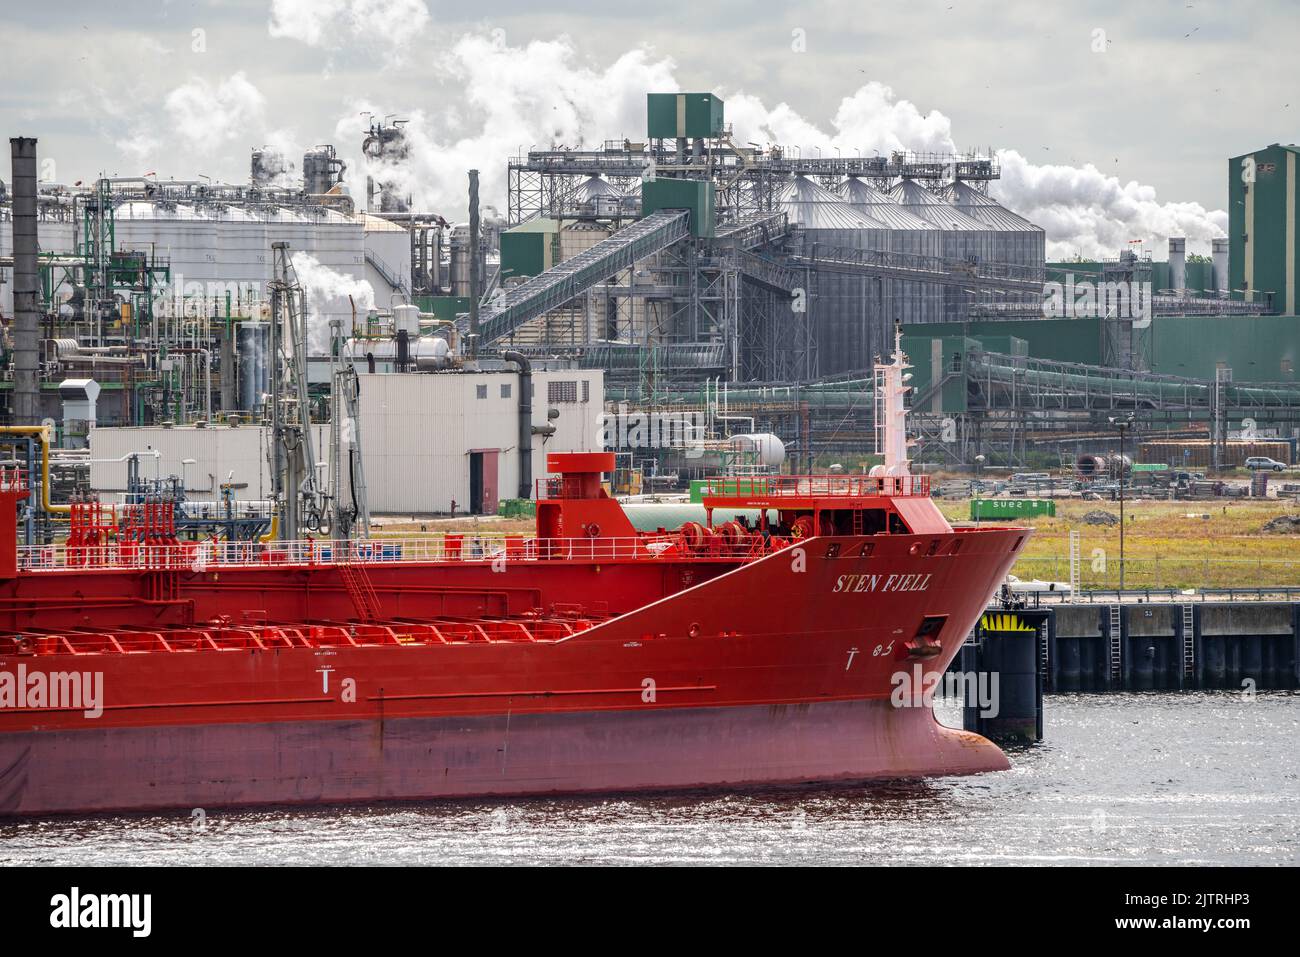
(428, 440)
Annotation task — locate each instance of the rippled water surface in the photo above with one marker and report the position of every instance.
(1133, 779)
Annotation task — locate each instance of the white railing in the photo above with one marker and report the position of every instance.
(447, 548)
(816, 486)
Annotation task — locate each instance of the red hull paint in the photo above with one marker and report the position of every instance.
(312, 762)
(706, 674)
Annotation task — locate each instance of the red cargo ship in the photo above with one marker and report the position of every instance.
(140, 672)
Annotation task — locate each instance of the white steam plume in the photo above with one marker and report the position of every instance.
(519, 97)
(388, 25)
(205, 114)
(1088, 213)
(327, 292)
(539, 95)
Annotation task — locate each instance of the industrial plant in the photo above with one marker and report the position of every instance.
(285, 353)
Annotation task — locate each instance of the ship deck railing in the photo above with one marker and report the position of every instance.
(817, 486)
(207, 554)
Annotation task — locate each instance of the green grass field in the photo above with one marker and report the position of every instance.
(1206, 544)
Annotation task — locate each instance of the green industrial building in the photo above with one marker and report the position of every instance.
(530, 248)
(1255, 348)
(1261, 226)
(688, 115)
(693, 194)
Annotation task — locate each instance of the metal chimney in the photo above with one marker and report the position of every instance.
(27, 316)
(1178, 266)
(473, 262)
(1219, 252)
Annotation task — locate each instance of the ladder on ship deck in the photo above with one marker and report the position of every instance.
(360, 589)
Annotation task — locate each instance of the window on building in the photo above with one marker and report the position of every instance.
(505, 390)
(586, 390)
(562, 391)
(481, 391)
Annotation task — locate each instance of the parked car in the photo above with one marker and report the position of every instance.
(1262, 462)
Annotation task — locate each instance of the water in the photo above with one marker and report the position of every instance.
(1210, 778)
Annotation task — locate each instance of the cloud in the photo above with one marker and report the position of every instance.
(204, 113)
(542, 94)
(1089, 213)
(872, 120)
(533, 96)
(335, 24)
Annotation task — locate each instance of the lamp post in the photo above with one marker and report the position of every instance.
(1123, 425)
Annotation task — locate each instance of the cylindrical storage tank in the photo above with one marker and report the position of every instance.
(1178, 265)
(406, 318)
(770, 449)
(579, 236)
(427, 352)
(252, 341)
(1219, 252)
(670, 516)
(458, 263)
(318, 171)
(1089, 466)
(266, 166)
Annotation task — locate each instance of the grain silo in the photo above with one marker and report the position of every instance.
(847, 310)
(908, 302)
(1016, 240)
(964, 239)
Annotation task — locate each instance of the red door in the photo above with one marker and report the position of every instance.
(483, 481)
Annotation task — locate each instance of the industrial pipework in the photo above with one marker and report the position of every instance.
(525, 421)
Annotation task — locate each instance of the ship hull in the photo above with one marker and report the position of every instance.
(334, 762)
(779, 671)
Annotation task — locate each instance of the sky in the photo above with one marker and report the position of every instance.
(1113, 121)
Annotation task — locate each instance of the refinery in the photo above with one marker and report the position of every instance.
(642, 461)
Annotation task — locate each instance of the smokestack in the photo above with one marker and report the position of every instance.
(473, 262)
(1178, 266)
(27, 317)
(1219, 252)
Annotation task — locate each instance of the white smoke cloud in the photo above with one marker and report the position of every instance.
(1088, 213)
(327, 292)
(205, 114)
(517, 97)
(870, 121)
(388, 25)
(525, 97)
